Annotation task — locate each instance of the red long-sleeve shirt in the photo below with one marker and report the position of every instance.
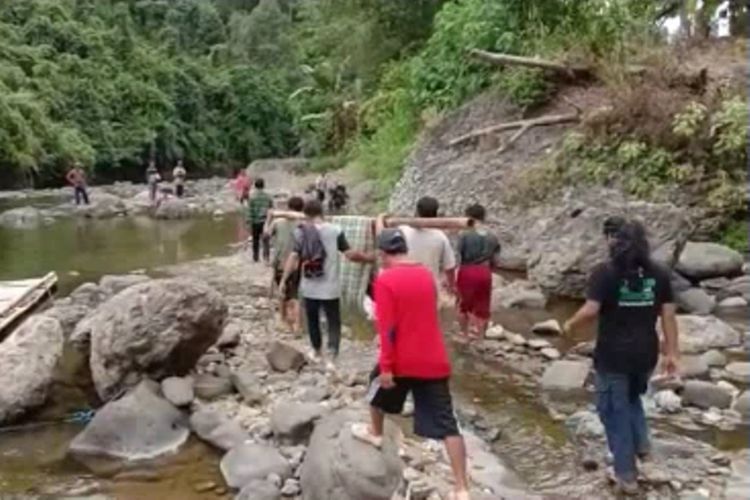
(411, 341)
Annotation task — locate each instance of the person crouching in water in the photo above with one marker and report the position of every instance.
(479, 255)
(281, 233)
(628, 294)
(412, 356)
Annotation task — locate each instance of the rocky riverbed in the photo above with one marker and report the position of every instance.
(220, 369)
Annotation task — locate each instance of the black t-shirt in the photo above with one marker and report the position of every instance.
(627, 341)
(478, 247)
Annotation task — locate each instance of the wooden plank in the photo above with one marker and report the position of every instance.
(25, 299)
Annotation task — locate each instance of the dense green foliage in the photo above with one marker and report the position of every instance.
(111, 83)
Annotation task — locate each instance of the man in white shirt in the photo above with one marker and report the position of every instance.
(431, 247)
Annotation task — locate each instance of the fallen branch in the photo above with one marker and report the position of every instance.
(522, 124)
(572, 71)
(513, 139)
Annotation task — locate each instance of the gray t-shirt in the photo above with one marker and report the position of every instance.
(430, 247)
(326, 287)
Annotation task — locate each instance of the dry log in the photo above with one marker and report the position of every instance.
(522, 124)
(572, 71)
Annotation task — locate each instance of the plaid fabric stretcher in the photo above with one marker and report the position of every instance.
(353, 277)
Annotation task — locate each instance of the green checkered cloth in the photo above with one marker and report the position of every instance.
(354, 277)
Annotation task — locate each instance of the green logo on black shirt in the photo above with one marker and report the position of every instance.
(644, 297)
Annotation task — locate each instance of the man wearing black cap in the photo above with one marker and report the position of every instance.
(412, 356)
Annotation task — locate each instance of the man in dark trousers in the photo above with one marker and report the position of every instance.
(257, 209)
(412, 356)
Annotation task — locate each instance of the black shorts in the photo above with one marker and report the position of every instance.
(433, 409)
(292, 283)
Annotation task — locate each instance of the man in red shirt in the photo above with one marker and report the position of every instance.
(412, 357)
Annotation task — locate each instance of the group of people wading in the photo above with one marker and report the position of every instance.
(627, 294)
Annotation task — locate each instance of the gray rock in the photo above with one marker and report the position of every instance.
(69, 315)
(294, 422)
(566, 375)
(21, 218)
(539, 343)
(178, 390)
(339, 467)
(738, 371)
(259, 490)
(103, 205)
(210, 387)
(701, 333)
(738, 287)
(139, 426)
(680, 283)
(218, 430)
(114, 284)
(585, 425)
(251, 462)
(520, 294)
(742, 405)
(230, 336)
(173, 209)
(291, 488)
(709, 260)
(284, 357)
(249, 387)
(667, 401)
(315, 395)
(28, 358)
(733, 303)
(705, 395)
(550, 353)
(696, 301)
(693, 367)
(549, 327)
(714, 358)
(713, 285)
(89, 295)
(159, 328)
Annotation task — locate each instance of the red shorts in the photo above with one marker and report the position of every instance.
(474, 285)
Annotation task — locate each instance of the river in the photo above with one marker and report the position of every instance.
(81, 250)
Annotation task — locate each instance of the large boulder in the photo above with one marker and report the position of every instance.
(112, 284)
(28, 358)
(706, 395)
(139, 426)
(68, 314)
(701, 261)
(700, 333)
(738, 287)
(565, 246)
(259, 490)
(337, 466)
(566, 375)
(294, 422)
(102, 205)
(520, 294)
(21, 218)
(251, 462)
(158, 328)
(172, 209)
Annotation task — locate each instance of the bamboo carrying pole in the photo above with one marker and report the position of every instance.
(446, 223)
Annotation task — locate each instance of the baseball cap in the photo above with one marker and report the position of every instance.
(392, 241)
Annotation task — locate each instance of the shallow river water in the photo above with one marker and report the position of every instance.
(34, 459)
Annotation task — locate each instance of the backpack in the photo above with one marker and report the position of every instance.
(312, 252)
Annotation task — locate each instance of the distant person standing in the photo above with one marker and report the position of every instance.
(152, 179)
(178, 176)
(242, 186)
(628, 294)
(432, 247)
(257, 210)
(321, 186)
(478, 255)
(412, 357)
(281, 232)
(76, 177)
(317, 245)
